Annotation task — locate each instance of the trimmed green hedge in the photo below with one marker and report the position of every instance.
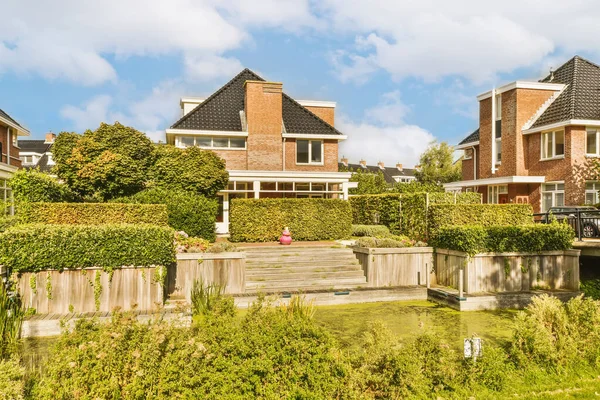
(93, 213)
(442, 215)
(41, 246)
(262, 220)
(381, 209)
(473, 239)
(370, 230)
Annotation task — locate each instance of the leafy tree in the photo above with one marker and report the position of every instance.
(111, 161)
(35, 186)
(368, 182)
(416, 187)
(190, 169)
(437, 165)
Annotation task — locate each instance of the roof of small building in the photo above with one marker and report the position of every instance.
(39, 147)
(473, 137)
(8, 117)
(388, 172)
(221, 111)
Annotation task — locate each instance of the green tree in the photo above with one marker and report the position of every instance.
(368, 182)
(416, 187)
(35, 186)
(437, 165)
(109, 162)
(190, 169)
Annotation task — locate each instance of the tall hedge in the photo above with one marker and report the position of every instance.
(41, 246)
(379, 209)
(187, 211)
(442, 215)
(92, 213)
(473, 239)
(262, 220)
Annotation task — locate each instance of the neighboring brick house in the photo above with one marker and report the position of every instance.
(10, 130)
(273, 145)
(391, 174)
(37, 153)
(534, 140)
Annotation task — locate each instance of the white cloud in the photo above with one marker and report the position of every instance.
(90, 114)
(382, 135)
(208, 67)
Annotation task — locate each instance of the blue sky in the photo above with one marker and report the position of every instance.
(401, 74)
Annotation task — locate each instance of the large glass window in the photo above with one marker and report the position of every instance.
(591, 192)
(553, 145)
(553, 195)
(592, 147)
(494, 192)
(211, 142)
(309, 151)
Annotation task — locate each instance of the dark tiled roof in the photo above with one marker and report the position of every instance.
(581, 97)
(221, 111)
(8, 117)
(388, 172)
(40, 147)
(473, 137)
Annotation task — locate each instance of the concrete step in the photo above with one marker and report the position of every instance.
(326, 275)
(282, 287)
(299, 281)
(306, 262)
(324, 254)
(286, 269)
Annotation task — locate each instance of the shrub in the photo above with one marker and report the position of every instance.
(186, 244)
(370, 230)
(393, 241)
(207, 299)
(222, 247)
(92, 213)
(187, 211)
(12, 379)
(7, 221)
(381, 209)
(262, 220)
(473, 239)
(34, 186)
(442, 215)
(11, 320)
(37, 247)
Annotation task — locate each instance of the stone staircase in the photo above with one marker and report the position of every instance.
(281, 269)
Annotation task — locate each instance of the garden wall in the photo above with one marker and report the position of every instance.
(228, 269)
(91, 289)
(396, 266)
(508, 272)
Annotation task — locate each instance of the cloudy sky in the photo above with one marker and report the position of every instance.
(402, 72)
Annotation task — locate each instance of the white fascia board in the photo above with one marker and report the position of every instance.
(522, 85)
(466, 145)
(316, 103)
(287, 176)
(191, 100)
(501, 180)
(585, 122)
(30, 153)
(194, 132)
(20, 130)
(311, 136)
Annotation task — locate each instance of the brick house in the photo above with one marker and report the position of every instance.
(535, 139)
(37, 153)
(273, 145)
(10, 130)
(395, 174)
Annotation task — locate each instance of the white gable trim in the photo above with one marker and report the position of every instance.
(522, 85)
(20, 130)
(586, 122)
(466, 145)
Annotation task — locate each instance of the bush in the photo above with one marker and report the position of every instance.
(12, 379)
(187, 211)
(381, 209)
(473, 239)
(442, 215)
(34, 186)
(38, 247)
(187, 244)
(393, 241)
(262, 220)
(92, 213)
(222, 247)
(370, 230)
(7, 221)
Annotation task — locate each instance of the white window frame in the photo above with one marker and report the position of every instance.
(322, 162)
(544, 145)
(494, 192)
(595, 131)
(499, 150)
(498, 107)
(211, 147)
(554, 192)
(593, 191)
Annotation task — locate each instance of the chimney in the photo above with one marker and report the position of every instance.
(399, 166)
(344, 161)
(50, 137)
(551, 74)
(381, 165)
(363, 163)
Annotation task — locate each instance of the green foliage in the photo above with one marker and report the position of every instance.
(437, 165)
(187, 244)
(206, 299)
(370, 230)
(222, 247)
(92, 213)
(417, 187)
(12, 379)
(391, 241)
(34, 186)
(38, 247)
(262, 220)
(7, 221)
(187, 211)
(109, 162)
(473, 239)
(368, 182)
(443, 215)
(382, 209)
(11, 320)
(191, 169)
(591, 288)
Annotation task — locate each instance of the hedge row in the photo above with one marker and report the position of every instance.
(41, 246)
(404, 213)
(92, 213)
(442, 215)
(262, 220)
(473, 239)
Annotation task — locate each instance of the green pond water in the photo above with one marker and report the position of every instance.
(348, 322)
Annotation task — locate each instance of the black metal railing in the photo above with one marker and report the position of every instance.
(585, 223)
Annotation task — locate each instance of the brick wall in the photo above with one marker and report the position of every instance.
(234, 159)
(327, 114)
(330, 157)
(467, 166)
(485, 136)
(14, 151)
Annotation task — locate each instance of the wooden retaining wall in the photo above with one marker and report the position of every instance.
(508, 272)
(228, 269)
(396, 267)
(91, 289)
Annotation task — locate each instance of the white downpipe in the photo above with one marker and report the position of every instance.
(474, 162)
(493, 130)
(283, 151)
(8, 145)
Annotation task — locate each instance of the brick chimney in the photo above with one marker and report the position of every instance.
(363, 163)
(50, 137)
(381, 165)
(399, 166)
(344, 161)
